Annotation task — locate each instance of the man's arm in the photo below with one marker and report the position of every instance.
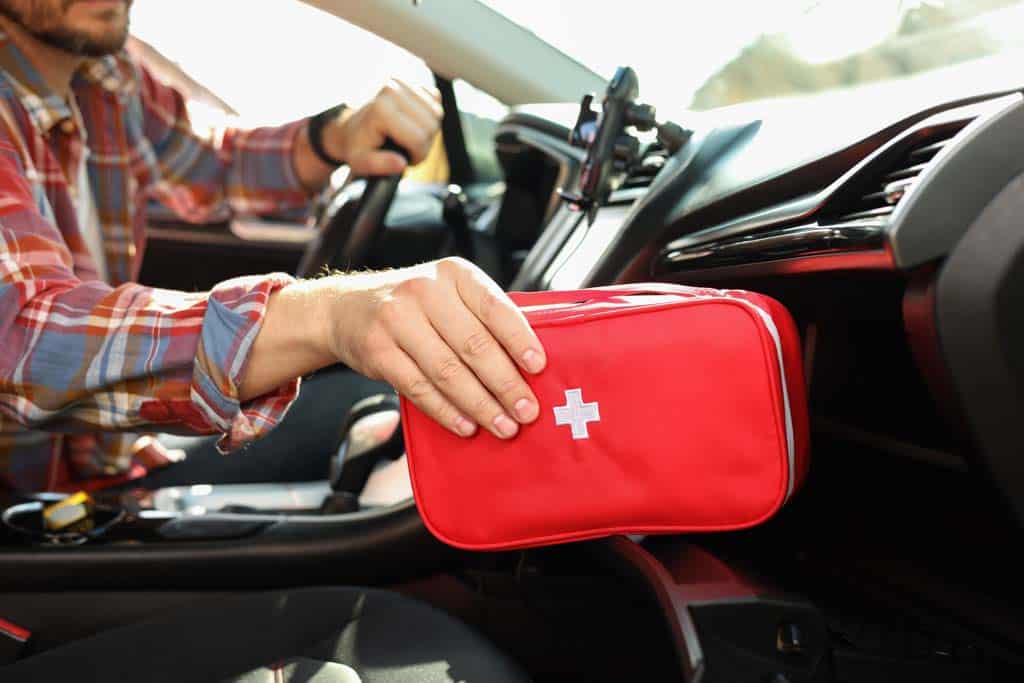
(274, 169)
(442, 333)
(80, 355)
(204, 180)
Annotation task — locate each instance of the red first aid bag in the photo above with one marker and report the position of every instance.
(663, 409)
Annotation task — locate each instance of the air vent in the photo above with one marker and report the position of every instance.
(886, 189)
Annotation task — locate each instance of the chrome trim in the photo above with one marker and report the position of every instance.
(787, 212)
(804, 208)
(786, 243)
(291, 519)
(897, 189)
(256, 230)
(201, 499)
(627, 195)
(216, 235)
(868, 259)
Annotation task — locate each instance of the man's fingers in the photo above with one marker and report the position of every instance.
(444, 367)
(433, 95)
(505, 321)
(377, 163)
(409, 116)
(452, 342)
(409, 133)
(421, 103)
(422, 119)
(481, 352)
(406, 377)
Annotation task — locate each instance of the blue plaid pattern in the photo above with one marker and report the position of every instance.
(84, 362)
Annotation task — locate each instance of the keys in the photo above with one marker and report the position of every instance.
(74, 513)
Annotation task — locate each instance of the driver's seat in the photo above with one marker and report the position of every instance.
(313, 635)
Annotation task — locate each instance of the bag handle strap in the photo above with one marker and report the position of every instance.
(601, 293)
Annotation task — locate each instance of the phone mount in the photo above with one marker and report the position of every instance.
(611, 150)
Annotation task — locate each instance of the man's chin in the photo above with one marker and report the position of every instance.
(84, 44)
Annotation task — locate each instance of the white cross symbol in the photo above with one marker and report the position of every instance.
(576, 413)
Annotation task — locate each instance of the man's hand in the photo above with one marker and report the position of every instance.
(408, 115)
(442, 333)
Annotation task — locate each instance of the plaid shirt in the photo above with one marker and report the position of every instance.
(82, 360)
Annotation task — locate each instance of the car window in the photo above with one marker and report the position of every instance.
(273, 61)
(287, 60)
(701, 55)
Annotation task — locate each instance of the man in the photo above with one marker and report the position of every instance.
(85, 137)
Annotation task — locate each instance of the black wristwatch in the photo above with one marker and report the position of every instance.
(315, 131)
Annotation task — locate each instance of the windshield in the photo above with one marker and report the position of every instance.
(274, 60)
(711, 54)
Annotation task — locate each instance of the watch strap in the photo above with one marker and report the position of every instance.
(315, 131)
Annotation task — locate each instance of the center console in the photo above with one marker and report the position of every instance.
(361, 512)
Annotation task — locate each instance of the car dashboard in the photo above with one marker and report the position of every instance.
(817, 223)
(747, 199)
(878, 233)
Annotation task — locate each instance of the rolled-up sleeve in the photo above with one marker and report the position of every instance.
(232, 319)
(85, 356)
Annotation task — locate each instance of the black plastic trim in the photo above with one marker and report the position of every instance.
(958, 184)
(798, 242)
(980, 322)
(371, 548)
(945, 195)
(537, 123)
(646, 220)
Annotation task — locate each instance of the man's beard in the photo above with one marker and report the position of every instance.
(80, 43)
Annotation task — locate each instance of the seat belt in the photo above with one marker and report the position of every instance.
(14, 642)
(460, 168)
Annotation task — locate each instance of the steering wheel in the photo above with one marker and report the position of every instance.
(351, 222)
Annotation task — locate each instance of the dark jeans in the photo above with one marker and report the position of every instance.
(298, 449)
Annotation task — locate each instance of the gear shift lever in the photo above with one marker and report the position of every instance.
(371, 433)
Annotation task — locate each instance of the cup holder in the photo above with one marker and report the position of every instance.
(26, 521)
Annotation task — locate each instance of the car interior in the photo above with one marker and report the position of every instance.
(895, 240)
